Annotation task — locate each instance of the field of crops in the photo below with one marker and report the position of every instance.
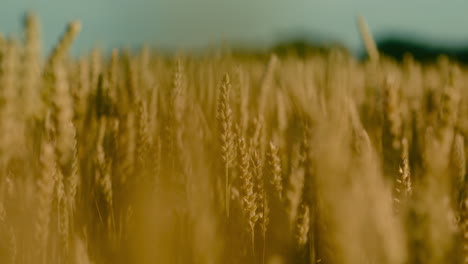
(140, 157)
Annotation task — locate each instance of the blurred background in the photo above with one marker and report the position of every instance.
(197, 24)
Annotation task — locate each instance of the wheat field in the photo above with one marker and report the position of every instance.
(140, 157)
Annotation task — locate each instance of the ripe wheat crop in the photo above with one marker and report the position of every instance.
(140, 157)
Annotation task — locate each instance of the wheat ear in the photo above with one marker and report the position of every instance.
(60, 50)
(224, 118)
(369, 42)
(248, 197)
(274, 166)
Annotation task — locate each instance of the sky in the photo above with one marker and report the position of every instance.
(191, 24)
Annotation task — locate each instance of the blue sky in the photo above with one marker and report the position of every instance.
(197, 23)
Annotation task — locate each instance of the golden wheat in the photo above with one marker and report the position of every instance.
(317, 157)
